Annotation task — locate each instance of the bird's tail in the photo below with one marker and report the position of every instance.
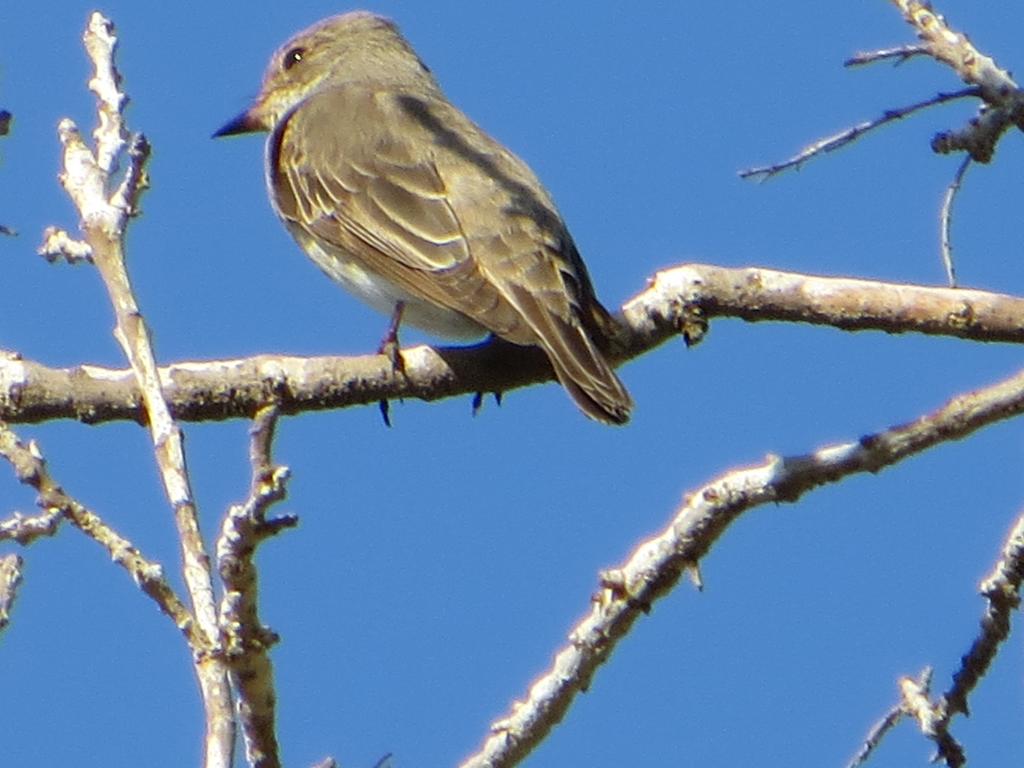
(592, 383)
(581, 367)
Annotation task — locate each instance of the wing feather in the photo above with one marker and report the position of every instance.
(419, 196)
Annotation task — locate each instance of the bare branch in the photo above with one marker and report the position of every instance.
(1004, 100)
(848, 136)
(654, 568)
(30, 468)
(247, 642)
(916, 702)
(58, 244)
(946, 220)
(978, 139)
(1002, 590)
(901, 53)
(25, 529)
(87, 177)
(10, 580)
(953, 48)
(1002, 105)
(875, 735)
(676, 300)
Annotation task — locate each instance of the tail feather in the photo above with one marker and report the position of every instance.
(580, 366)
(600, 394)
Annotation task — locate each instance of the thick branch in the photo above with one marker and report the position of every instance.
(678, 300)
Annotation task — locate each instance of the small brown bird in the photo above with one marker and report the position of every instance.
(404, 201)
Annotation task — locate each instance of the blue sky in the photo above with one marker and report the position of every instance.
(440, 563)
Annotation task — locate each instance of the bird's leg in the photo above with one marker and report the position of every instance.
(389, 346)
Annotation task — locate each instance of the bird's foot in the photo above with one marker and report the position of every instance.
(390, 347)
(389, 344)
(478, 401)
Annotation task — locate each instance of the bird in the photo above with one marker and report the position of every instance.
(402, 199)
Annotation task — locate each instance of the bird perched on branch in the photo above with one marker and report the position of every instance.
(404, 201)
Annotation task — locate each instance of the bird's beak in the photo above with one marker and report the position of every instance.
(243, 123)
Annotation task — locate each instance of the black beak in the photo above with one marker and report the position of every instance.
(243, 123)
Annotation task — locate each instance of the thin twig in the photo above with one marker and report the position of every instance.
(875, 735)
(30, 468)
(653, 569)
(946, 220)
(1002, 105)
(900, 52)
(848, 136)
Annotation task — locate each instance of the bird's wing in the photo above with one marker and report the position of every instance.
(350, 175)
(523, 249)
(415, 191)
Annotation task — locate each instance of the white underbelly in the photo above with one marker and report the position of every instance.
(383, 295)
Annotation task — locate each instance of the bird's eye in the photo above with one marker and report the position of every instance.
(293, 57)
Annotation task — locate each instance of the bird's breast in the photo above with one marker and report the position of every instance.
(382, 294)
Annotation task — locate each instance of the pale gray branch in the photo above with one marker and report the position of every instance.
(30, 468)
(653, 569)
(915, 700)
(247, 641)
(10, 580)
(1001, 590)
(850, 135)
(88, 177)
(677, 301)
(946, 220)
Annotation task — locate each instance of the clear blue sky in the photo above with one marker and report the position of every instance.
(440, 563)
